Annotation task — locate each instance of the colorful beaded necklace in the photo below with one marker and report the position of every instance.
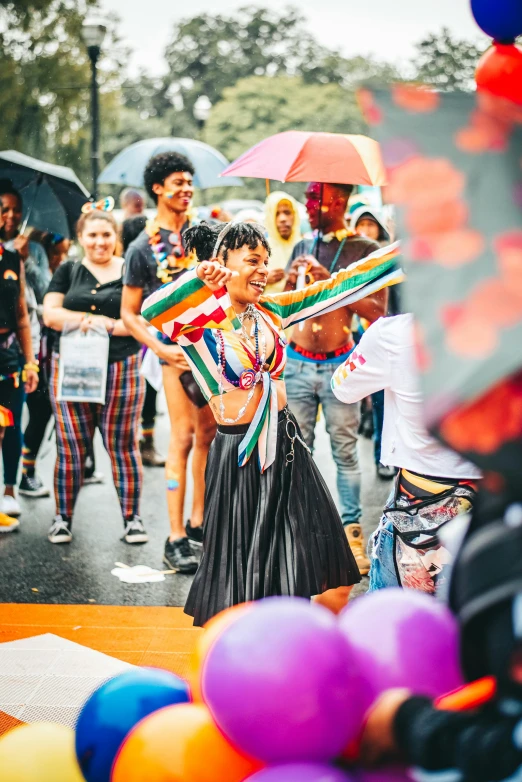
(169, 264)
(249, 377)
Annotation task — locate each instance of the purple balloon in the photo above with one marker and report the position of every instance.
(390, 774)
(403, 638)
(301, 772)
(281, 685)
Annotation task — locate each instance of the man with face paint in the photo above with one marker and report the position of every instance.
(317, 349)
(155, 257)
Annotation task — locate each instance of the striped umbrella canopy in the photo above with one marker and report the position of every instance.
(302, 156)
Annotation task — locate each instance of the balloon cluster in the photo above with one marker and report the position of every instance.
(499, 70)
(277, 692)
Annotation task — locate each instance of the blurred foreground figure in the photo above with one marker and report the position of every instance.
(446, 155)
(434, 484)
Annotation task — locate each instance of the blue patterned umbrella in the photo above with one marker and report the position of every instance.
(128, 166)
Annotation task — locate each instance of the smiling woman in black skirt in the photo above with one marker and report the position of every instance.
(270, 524)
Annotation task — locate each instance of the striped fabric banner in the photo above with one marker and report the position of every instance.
(190, 313)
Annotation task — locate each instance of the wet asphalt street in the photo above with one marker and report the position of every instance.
(32, 570)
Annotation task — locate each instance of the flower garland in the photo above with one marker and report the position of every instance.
(169, 264)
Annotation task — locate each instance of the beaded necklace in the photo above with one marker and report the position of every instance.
(249, 378)
(169, 264)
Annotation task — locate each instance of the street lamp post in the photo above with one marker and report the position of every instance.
(93, 33)
(202, 109)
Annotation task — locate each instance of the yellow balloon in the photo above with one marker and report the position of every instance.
(39, 752)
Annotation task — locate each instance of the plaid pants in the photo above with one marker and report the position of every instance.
(118, 421)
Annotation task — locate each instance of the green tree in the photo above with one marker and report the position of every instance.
(447, 62)
(260, 106)
(209, 53)
(44, 80)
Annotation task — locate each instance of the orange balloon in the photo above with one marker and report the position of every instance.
(499, 72)
(212, 631)
(180, 743)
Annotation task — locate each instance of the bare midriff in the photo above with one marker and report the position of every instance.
(5, 331)
(325, 333)
(234, 401)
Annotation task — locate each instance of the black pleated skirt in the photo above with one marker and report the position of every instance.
(276, 533)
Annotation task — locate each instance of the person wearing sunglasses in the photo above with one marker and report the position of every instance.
(158, 256)
(433, 484)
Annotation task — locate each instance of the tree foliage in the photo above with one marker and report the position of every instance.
(44, 80)
(209, 53)
(447, 62)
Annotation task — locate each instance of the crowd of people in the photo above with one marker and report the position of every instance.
(254, 328)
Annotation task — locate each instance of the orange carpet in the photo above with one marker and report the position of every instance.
(161, 637)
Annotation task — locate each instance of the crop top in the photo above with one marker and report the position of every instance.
(9, 288)
(196, 317)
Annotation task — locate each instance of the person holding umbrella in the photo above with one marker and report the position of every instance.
(324, 342)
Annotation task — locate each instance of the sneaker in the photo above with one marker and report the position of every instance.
(94, 477)
(7, 524)
(356, 542)
(194, 534)
(60, 531)
(10, 506)
(149, 455)
(178, 556)
(135, 532)
(386, 473)
(32, 486)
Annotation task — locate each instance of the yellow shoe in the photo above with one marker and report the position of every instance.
(357, 544)
(7, 524)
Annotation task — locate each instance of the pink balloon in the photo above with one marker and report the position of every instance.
(403, 638)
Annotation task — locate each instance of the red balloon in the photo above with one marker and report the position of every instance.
(499, 72)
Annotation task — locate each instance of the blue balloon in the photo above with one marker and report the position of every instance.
(114, 709)
(500, 19)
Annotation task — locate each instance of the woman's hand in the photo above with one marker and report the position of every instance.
(31, 381)
(173, 355)
(92, 321)
(378, 741)
(214, 274)
(21, 245)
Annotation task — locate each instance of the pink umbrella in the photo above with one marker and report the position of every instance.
(301, 156)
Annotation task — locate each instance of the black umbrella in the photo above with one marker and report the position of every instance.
(52, 195)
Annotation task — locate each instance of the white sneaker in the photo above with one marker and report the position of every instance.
(96, 477)
(10, 506)
(60, 531)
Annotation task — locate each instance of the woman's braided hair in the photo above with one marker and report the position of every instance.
(202, 238)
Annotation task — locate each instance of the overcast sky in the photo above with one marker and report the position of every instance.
(388, 29)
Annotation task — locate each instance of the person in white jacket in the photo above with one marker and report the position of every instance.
(433, 483)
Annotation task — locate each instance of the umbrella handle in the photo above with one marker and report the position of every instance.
(39, 180)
